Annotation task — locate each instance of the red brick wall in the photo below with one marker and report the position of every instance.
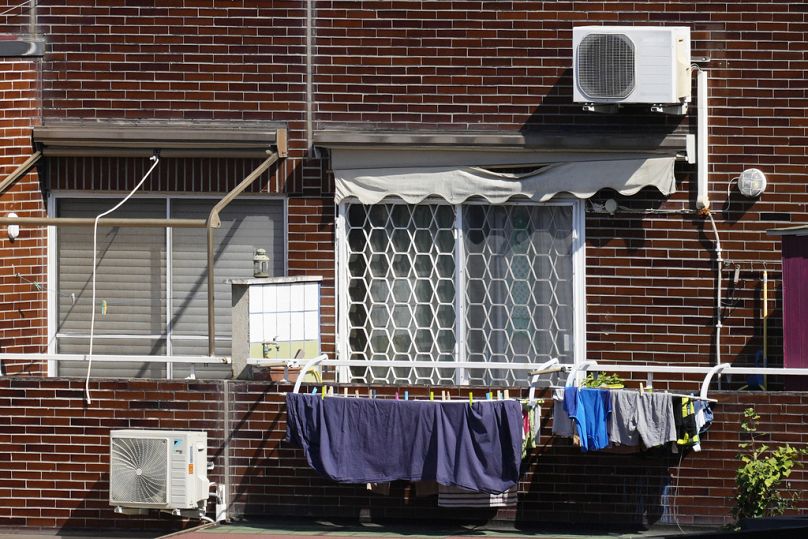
(54, 460)
(480, 66)
(426, 65)
(23, 309)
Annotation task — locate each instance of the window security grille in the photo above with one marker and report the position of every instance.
(512, 269)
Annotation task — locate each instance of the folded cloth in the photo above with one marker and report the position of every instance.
(460, 497)
(352, 440)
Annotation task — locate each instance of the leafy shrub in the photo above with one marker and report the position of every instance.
(763, 470)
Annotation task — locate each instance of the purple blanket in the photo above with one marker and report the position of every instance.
(356, 440)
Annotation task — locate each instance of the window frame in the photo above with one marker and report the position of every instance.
(53, 263)
(578, 248)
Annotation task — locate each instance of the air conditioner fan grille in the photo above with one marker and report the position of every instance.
(138, 471)
(605, 66)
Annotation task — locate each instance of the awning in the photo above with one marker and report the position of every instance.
(580, 178)
(371, 166)
(122, 139)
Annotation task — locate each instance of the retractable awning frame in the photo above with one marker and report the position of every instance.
(120, 140)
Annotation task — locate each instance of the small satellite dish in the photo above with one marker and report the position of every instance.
(752, 183)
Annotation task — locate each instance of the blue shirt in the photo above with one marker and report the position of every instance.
(590, 408)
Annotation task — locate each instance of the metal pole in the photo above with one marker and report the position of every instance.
(213, 223)
(81, 221)
(32, 29)
(211, 295)
(20, 171)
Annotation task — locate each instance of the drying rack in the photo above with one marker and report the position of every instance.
(575, 373)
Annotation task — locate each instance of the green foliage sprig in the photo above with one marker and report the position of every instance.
(602, 380)
(763, 470)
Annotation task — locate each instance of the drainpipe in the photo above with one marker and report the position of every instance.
(309, 78)
(703, 174)
(703, 194)
(32, 26)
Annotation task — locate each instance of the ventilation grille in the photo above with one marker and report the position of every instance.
(138, 471)
(605, 66)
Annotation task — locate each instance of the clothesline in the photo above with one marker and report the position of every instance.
(328, 392)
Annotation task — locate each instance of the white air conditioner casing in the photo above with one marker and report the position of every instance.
(631, 64)
(158, 469)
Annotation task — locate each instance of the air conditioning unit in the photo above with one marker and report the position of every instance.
(631, 64)
(158, 469)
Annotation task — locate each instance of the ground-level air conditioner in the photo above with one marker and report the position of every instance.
(158, 469)
(631, 64)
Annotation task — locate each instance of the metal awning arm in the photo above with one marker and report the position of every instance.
(20, 171)
(215, 222)
(213, 217)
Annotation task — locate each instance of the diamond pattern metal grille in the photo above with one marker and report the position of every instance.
(605, 66)
(138, 471)
(518, 288)
(401, 289)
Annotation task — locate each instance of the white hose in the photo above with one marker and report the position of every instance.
(720, 262)
(92, 304)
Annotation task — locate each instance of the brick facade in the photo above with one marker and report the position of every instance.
(23, 276)
(435, 66)
(54, 455)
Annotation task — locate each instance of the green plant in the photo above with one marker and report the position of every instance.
(602, 379)
(761, 474)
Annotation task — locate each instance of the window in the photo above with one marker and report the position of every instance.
(151, 285)
(490, 284)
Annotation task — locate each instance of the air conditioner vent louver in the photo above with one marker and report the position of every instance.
(606, 66)
(139, 471)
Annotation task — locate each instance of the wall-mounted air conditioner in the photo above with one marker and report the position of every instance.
(615, 65)
(158, 469)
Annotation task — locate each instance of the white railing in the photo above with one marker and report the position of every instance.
(115, 358)
(535, 370)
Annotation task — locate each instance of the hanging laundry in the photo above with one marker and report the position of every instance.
(687, 432)
(623, 419)
(590, 409)
(353, 440)
(641, 418)
(704, 419)
(460, 497)
(655, 421)
(531, 418)
(562, 423)
(704, 416)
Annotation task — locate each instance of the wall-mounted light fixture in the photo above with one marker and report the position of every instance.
(752, 182)
(13, 231)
